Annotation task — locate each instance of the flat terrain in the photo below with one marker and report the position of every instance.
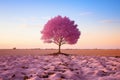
(31, 64)
(83, 52)
(60, 67)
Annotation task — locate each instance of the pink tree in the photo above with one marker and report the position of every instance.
(60, 30)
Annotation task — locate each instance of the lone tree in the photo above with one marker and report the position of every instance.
(60, 30)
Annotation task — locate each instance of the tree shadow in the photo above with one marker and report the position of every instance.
(56, 54)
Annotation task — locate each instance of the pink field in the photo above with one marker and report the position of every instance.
(33, 65)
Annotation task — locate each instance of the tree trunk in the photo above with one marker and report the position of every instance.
(59, 48)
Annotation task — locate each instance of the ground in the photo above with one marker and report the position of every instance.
(58, 67)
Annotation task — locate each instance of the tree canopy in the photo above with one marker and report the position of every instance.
(60, 30)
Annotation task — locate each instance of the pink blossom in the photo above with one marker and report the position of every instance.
(60, 30)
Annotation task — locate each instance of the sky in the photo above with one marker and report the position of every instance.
(22, 20)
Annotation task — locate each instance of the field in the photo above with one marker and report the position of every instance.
(86, 52)
(35, 64)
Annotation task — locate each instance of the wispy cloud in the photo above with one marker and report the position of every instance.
(29, 25)
(109, 21)
(26, 19)
(85, 13)
(45, 17)
(28, 22)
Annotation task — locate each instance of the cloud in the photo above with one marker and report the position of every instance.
(26, 19)
(45, 17)
(109, 21)
(29, 25)
(28, 22)
(85, 13)
(106, 21)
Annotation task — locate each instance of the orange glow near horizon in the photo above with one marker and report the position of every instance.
(85, 42)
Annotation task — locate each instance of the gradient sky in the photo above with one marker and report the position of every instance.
(22, 20)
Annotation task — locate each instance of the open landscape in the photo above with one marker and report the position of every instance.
(59, 39)
(35, 64)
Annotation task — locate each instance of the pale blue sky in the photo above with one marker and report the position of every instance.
(22, 20)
